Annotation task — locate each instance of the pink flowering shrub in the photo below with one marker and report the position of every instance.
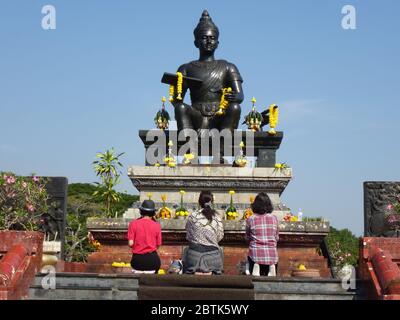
(22, 202)
(392, 213)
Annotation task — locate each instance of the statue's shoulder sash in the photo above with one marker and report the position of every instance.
(214, 82)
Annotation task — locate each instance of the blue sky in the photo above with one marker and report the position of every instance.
(92, 83)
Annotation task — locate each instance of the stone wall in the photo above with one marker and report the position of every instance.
(377, 196)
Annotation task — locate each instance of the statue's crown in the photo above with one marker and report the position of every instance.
(205, 23)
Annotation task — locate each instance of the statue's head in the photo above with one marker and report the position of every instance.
(206, 34)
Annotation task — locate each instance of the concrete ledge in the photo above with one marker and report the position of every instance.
(106, 224)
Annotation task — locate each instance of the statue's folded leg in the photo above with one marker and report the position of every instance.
(231, 118)
(183, 116)
(199, 121)
(230, 121)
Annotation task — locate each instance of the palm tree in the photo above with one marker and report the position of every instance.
(106, 167)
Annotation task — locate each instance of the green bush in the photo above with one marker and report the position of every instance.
(82, 205)
(77, 243)
(79, 190)
(343, 246)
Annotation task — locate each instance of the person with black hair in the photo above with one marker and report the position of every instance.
(262, 233)
(144, 237)
(204, 230)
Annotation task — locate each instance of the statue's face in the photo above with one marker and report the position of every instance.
(207, 41)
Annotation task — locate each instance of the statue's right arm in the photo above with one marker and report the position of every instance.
(183, 70)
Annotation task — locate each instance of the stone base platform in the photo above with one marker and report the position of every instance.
(300, 243)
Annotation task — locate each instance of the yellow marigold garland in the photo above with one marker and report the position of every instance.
(171, 93)
(223, 103)
(273, 118)
(179, 85)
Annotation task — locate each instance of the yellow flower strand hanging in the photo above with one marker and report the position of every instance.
(179, 85)
(223, 103)
(273, 118)
(171, 93)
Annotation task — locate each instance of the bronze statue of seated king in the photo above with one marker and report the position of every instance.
(210, 83)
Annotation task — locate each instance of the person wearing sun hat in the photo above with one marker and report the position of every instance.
(144, 238)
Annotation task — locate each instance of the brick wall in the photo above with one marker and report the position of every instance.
(235, 256)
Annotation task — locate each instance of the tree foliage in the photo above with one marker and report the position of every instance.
(107, 167)
(343, 246)
(77, 242)
(86, 190)
(82, 204)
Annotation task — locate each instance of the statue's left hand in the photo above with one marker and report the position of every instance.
(234, 97)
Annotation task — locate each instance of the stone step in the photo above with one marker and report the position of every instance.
(119, 282)
(300, 289)
(287, 273)
(297, 285)
(83, 286)
(78, 286)
(304, 296)
(109, 257)
(309, 264)
(298, 256)
(284, 257)
(65, 293)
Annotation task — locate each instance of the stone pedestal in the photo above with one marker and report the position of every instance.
(260, 145)
(51, 253)
(218, 178)
(246, 182)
